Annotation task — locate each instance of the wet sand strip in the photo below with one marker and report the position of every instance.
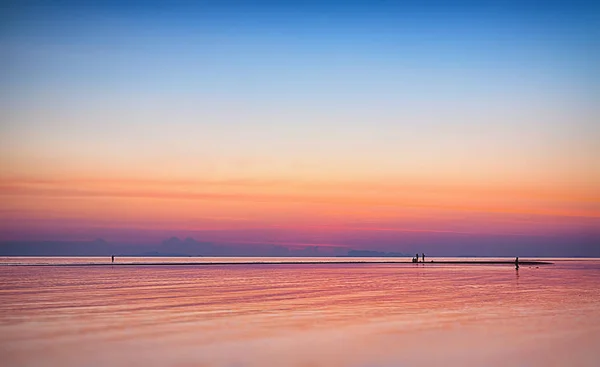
(449, 262)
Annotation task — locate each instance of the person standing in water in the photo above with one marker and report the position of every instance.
(423, 254)
(517, 263)
(113, 258)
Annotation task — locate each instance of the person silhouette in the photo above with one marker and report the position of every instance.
(113, 258)
(417, 257)
(423, 254)
(517, 263)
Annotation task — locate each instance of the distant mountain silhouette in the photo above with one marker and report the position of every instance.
(172, 246)
(189, 246)
(585, 245)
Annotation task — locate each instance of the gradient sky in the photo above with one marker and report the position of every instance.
(362, 124)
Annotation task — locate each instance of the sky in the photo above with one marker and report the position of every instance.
(450, 127)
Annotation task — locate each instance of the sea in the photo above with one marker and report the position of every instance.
(304, 312)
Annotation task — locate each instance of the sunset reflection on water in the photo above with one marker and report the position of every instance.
(301, 315)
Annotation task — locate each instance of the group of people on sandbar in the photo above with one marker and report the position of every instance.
(416, 258)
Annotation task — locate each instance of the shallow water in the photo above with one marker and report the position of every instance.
(300, 315)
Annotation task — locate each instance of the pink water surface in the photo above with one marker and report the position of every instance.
(301, 315)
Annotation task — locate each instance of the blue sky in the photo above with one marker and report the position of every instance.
(299, 49)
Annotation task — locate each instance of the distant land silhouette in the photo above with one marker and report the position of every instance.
(175, 246)
(157, 254)
(168, 248)
(368, 253)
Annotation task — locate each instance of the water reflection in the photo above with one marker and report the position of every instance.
(300, 315)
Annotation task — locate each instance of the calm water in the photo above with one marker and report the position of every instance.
(299, 315)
